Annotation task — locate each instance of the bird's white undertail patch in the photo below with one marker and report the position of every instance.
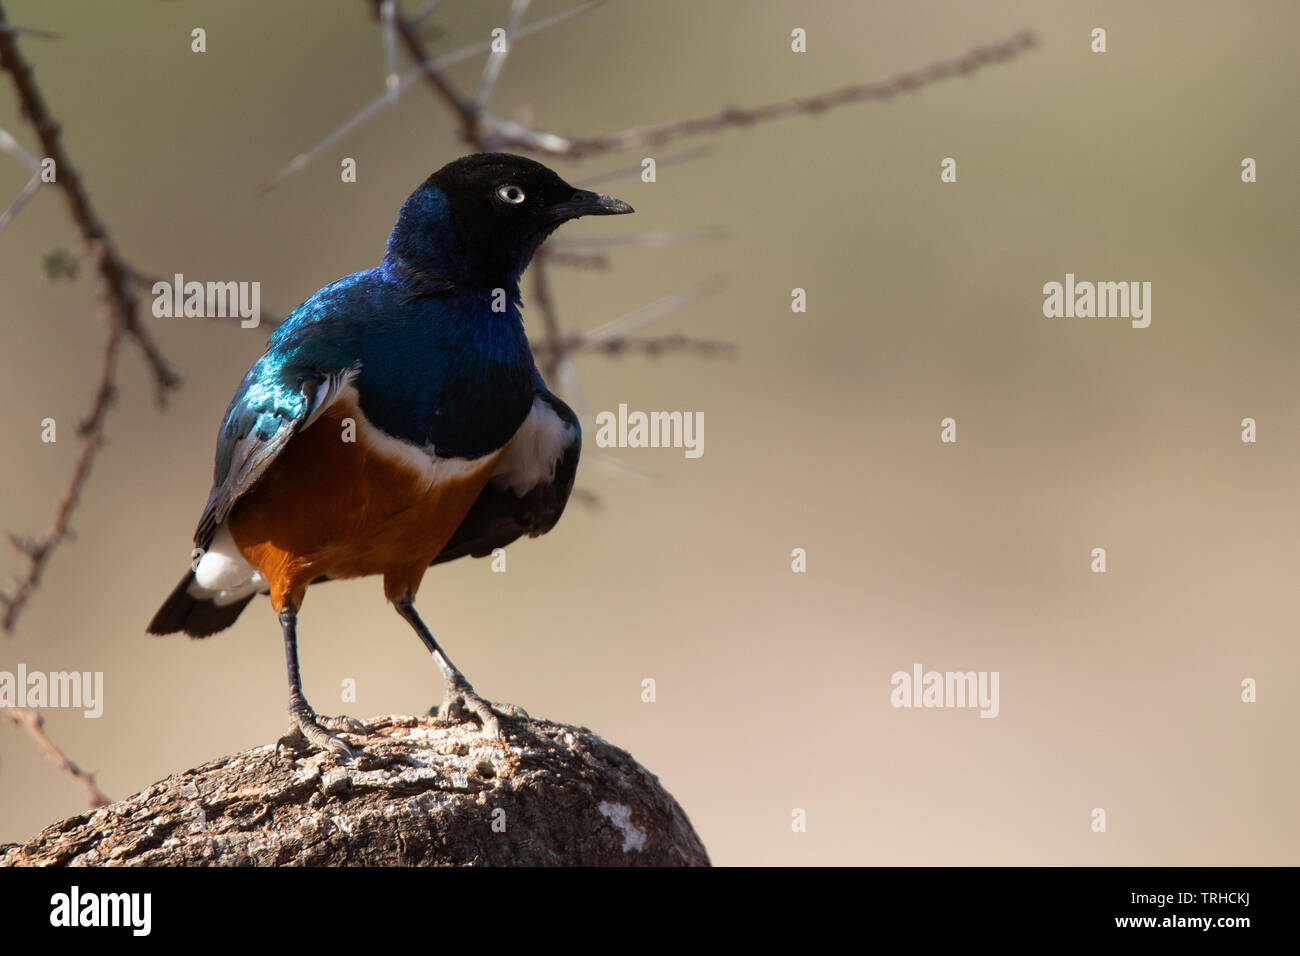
(223, 576)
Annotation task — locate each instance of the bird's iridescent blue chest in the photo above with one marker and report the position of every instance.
(447, 373)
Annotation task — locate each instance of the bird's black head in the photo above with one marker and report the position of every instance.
(477, 221)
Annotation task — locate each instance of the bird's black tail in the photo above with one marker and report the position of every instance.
(196, 616)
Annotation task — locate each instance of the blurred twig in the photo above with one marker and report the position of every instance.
(120, 313)
(635, 169)
(120, 302)
(27, 31)
(16, 150)
(34, 723)
(410, 35)
(649, 238)
(486, 131)
(503, 134)
(659, 345)
(497, 60)
(553, 353)
(91, 434)
(618, 329)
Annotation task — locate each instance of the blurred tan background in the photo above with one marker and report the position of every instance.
(1118, 691)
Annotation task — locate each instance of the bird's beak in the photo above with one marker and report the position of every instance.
(587, 203)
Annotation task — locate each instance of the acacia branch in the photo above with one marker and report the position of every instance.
(552, 346)
(119, 303)
(489, 132)
(35, 725)
(121, 319)
(91, 434)
(120, 308)
(120, 300)
(643, 345)
(120, 311)
(492, 68)
(503, 133)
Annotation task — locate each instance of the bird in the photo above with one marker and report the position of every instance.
(396, 420)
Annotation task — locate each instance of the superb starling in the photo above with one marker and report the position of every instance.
(396, 420)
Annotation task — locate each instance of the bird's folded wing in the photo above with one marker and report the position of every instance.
(275, 402)
(530, 485)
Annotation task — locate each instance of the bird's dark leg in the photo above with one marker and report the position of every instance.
(459, 692)
(302, 718)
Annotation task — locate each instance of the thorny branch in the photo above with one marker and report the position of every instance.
(503, 134)
(120, 312)
(119, 300)
(647, 345)
(91, 434)
(35, 725)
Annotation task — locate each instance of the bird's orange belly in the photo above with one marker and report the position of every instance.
(346, 509)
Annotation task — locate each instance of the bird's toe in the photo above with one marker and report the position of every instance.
(304, 724)
(349, 725)
(462, 702)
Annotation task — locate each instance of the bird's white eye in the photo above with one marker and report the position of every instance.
(511, 194)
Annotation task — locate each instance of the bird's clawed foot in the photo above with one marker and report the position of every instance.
(460, 701)
(317, 730)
